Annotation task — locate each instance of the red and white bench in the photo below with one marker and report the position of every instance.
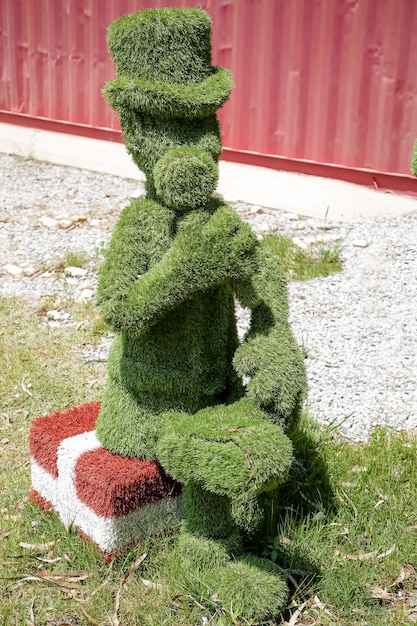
(113, 500)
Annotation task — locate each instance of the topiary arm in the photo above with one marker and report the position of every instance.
(141, 237)
(206, 251)
(270, 355)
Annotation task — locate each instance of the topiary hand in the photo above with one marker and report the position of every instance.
(276, 370)
(213, 248)
(229, 450)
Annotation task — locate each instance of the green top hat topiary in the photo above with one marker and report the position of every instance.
(164, 64)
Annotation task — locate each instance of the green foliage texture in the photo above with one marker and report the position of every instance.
(414, 160)
(176, 262)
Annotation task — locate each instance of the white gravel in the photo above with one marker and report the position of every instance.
(358, 328)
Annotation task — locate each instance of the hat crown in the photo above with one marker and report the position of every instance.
(162, 45)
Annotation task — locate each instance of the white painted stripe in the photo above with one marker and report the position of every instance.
(69, 450)
(113, 533)
(44, 483)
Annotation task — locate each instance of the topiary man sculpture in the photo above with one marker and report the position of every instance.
(175, 263)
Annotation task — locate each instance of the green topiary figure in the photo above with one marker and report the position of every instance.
(175, 263)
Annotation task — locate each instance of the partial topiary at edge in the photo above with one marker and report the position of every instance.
(176, 262)
(414, 160)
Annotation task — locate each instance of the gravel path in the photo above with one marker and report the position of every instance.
(359, 327)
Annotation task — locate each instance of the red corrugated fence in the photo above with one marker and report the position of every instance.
(322, 86)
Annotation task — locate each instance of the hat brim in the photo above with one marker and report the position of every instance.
(171, 100)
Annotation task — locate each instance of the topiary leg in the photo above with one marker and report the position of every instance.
(212, 565)
(207, 514)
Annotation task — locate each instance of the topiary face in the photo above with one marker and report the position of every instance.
(179, 157)
(185, 177)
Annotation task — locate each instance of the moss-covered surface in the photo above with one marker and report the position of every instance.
(414, 160)
(176, 263)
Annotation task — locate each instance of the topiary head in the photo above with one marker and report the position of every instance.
(166, 94)
(163, 62)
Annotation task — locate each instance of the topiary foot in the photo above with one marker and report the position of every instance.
(247, 587)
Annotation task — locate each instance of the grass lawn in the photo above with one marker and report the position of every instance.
(344, 528)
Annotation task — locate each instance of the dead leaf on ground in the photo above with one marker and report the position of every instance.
(67, 580)
(134, 566)
(43, 547)
(386, 553)
(131, 569)
(20, 504)
(30, 618)
(22, 463)
(382, 499)
(151, 584)
(6, 420)
(361, 556)
(8, 532)
(26, 388)
(71, 577)
(382, 594)
(300, 618)
(49, 561)
(405, 572)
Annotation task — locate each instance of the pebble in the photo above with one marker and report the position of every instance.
(135, 195)
(48, 222)
(65, 223)
(322, 238)
(300, 243)
(75, 272)
(14, 270)
(86, 294)
(360, 243)
(58, 315)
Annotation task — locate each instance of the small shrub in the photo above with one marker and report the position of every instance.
(319, 259)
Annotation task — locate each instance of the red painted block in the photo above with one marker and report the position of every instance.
(47, 432)
(112, 485)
